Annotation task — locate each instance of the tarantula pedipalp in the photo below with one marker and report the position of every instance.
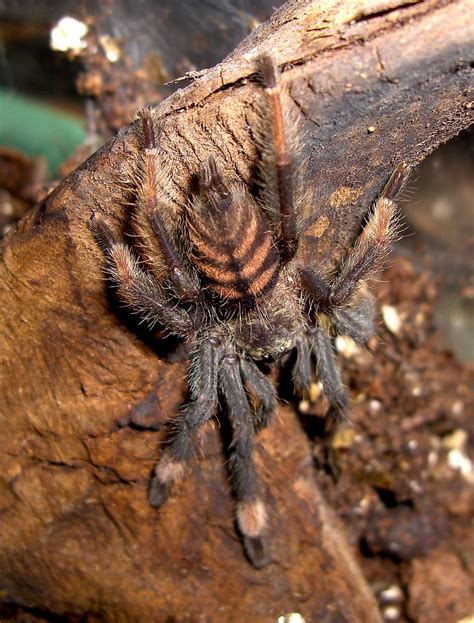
(238, 292)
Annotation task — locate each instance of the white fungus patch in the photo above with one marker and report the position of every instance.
(391, 318)
(68, 35)
(292, 617)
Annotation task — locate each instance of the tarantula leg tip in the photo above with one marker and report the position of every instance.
(337, 413)
(158, 493)
(396, 181)
(257, 551)
(101, 231)
(331, 463)
(92, 222)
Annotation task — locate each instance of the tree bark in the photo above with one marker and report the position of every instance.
(370, 87)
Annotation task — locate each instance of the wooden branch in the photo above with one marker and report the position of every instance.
(371, 86)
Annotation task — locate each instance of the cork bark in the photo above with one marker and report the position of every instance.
(84, 388)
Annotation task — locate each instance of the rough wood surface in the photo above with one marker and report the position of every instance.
(76, 532)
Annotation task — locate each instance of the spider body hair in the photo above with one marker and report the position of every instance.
(231, 239)
(236, 289)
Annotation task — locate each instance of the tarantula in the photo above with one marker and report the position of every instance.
(237, 292)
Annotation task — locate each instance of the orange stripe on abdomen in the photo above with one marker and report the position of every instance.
(236, 252)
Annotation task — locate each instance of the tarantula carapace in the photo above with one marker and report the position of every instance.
(237, 291)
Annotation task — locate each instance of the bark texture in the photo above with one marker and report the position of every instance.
(371, 84)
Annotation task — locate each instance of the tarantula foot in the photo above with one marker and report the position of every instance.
(396, 182)
(331, 461)
(335, 416)
(167, 471)
(158, 493)
(257, 551)
(251, 520)
(101, 232)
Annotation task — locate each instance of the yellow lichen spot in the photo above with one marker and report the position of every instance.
(320, 226)
(111, 47)
(343, 196)
(456, 440)
(346, 346)
(314, 391)
(344, 438)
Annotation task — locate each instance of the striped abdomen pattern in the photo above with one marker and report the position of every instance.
(234, 247)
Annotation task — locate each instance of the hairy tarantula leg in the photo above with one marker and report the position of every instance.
(203, 405)
(317, 287)
(373, 244)
(328, 372)
(279, 154)
(301, 374)
(356, 322)
(136, 288)
(263, 388)
(251, 512)
(326, 366)
(149, 203)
